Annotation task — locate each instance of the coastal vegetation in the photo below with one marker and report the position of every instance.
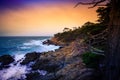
(92, 60)
(88, 29)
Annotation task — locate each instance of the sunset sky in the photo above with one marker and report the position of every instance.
(41, 17)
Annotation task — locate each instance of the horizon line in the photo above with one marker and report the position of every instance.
(25, 36)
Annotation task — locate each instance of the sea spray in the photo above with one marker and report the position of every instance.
(16, 70)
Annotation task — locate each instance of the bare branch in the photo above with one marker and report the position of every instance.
(97, 3)
(93, 3)
(83, 3)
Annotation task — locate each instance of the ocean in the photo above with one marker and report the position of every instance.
(22, 45)
(18, 47)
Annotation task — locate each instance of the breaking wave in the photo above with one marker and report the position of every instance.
(16, 70)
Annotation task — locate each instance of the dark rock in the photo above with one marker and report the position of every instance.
(89, 74)
(48, 42)
(37, 76)
(33, 76)
(61, 47)
(39, 63)
(50, 67)
(6, 59)
(45, 65)
(29, 57)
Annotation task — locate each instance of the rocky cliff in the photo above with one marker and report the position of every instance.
(62, 64)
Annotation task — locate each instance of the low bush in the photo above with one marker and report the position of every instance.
(92, 60)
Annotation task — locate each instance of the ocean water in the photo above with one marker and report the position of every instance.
(18, 47)
(22, 45)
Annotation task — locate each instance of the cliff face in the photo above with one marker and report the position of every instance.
(63, 64)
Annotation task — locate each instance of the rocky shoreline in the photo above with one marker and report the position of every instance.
(62, 64)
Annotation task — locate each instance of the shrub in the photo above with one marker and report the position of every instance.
(92, 60)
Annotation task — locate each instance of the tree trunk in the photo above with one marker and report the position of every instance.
(112, 71)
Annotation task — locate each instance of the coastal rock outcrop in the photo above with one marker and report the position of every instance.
(5, 60)
(29, 57)
(55, 41)
(65, 63)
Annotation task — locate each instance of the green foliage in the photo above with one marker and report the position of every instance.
(92, 60)
(92, 28)
(103, 14)
(69, 35)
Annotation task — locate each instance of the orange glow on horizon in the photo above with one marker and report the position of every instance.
(41, 20)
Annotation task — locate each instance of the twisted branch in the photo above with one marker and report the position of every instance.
(94, 3)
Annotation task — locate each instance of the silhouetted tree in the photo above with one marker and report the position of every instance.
(103, 14)
(66, 29)
(112, 70)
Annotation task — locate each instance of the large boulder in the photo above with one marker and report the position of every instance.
(29, 57)
(6, 59)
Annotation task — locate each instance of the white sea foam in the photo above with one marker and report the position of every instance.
(25, 47)
(15, 72)
(19, 57)
(33, 42)
(45, 48)
(40, 47)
